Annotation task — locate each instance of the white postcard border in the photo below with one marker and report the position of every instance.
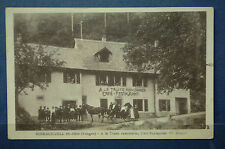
(109, 134)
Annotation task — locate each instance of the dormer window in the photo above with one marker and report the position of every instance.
(103, 55)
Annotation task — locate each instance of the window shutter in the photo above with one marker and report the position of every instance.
(78, 78)
(124, 81)
(168, 105)
(146, 104)
(161, 105)
(64, 77)
(97, 79)
(48, 77)
(111, 80)
(145, 82)
(134, 81)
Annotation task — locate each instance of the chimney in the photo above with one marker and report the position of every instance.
(156, 43)
(104, 37)
(75, 43)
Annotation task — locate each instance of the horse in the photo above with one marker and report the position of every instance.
(100, 111)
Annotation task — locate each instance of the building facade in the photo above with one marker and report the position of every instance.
(95, 73)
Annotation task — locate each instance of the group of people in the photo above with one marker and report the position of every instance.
(124, 111)
(61, 114)
(69, 113)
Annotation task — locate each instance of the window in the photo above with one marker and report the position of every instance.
(141, 104)
(40, 97)
(101, 79)
(138, 103)
(138, 80)
(71, 77)
(104, 103)
(103, 55)
(110, 79)
(117, 80)
(45, 76)
(164, 105)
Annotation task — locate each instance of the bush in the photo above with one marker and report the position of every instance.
(24, 121)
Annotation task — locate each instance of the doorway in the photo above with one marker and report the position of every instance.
(181, 105)
(104, 103)
(71, 103)
(118, 101)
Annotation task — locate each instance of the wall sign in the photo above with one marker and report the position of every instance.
(120, 91)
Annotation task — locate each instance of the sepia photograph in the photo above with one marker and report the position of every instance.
(110, 73)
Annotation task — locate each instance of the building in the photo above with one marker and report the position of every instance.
(95, 74)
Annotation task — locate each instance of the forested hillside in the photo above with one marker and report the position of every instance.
(56, 29)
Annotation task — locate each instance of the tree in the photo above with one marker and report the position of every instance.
(55, 29)
(173, 44)
(30, 62)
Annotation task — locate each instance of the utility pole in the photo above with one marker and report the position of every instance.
(72, 25)
(105, 23)
(105, 26)
(128, 27)
(81, 29)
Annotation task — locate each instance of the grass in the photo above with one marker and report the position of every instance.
(25, 122)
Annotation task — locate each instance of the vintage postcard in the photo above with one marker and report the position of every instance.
(110, 73)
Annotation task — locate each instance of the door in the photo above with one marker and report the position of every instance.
(118, 101)
(71, 103)
(103, 103)
(181, 106)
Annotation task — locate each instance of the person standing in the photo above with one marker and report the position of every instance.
(48, 115)
(67, 113)
(60, 113)
(132, 113)
(56, 114)
(118, 111)
(40, 114)
(64, 113)
(83, 113)
(44, 114)
(72, 113)
(53, 115)
(79, 113)
(110, 106)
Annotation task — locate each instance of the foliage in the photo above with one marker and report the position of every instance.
(24, 121)
(51, 29)
(56, 29)
(173, 44)
(30, 62)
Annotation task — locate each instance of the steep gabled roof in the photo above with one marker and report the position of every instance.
(82, 56)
